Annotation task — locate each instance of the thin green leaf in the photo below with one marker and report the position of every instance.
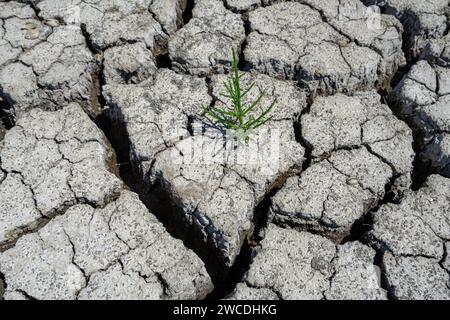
(225, 95)
(250, 124)
(224, 112)
(240, 117)
(255, 103)
(222, 120)
(256, 126)
(248, 90)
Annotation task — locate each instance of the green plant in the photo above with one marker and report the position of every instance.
(238, 117)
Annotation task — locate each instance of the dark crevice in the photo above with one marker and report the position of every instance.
(26, 295)
(118, 140)
(228, 7)
(443, 260)
(161, 53)
(422, 138)
(36, 10)
(421, 170)
(3, 285)
(244, 11)
(160, 203)
(384, 283)
(225, 287)
(181, 9)
(214, 98)
(187, 13)
(97, 75)
(40, 223)
(410, 22)
(98, 80)
(447, 29)
(390, 192)
(163, 61)
(305, 144)
(362, 226)
(398, 76)
(335, 236)
(190, 125)
(3, 128)
(157, 200)
(243, 66)
(163, 283)
(299, 138)
(89, 43)
(128, 76)
(19, 233)
(7, 114)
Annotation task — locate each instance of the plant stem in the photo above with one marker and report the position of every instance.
(239, 119)
(237, 87)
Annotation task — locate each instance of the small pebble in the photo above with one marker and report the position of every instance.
(52, 22)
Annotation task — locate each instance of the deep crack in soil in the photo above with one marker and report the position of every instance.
(160, 204)
(163, 207)
(2, 285)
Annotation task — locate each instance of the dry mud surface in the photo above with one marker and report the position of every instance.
(115, 185)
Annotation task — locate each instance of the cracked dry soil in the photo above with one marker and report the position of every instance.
(103, 191)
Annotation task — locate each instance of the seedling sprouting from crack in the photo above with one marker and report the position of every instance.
(239, 116)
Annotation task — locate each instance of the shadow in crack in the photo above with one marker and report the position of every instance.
(119, 142)
(384, 283)
(160, 203)
(226, 285)
(243, 65)
(422, 137)
(2, 285)
(156, 199)
(187, 13)
(362, 226)
(162, 60)
(7, 114)
(409, 20)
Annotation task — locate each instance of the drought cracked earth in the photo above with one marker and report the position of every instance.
(114, 185)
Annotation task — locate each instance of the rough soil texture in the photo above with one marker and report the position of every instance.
(422, 98)
(327, 46)
(216, 194)
(414, 234)
(359, 151)
(318, 269)
(114, 184)
(423, 20)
